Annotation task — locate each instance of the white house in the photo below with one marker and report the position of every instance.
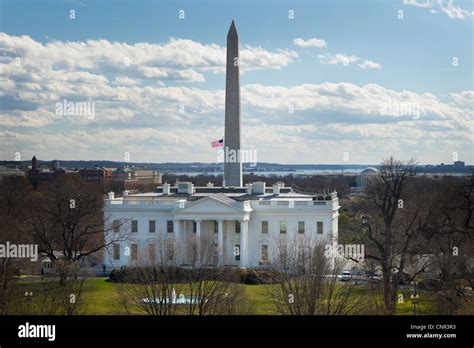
(233, 226)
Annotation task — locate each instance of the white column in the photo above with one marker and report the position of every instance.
(198, 241)
(244, 244)
(220, 243)
(177, 241)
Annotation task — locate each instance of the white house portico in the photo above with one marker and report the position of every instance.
(213, 220)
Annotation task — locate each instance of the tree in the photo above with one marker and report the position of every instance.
(14, 192)
(449, 239)
(67, 222)
(306, 280)
(395, 215)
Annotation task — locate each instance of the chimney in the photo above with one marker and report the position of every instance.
(276, 188)
(259, 188)
(111, 195)
(166, 188)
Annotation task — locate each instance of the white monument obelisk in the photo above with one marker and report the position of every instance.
(232, 136)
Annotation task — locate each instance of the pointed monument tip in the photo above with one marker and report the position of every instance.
(232, 28)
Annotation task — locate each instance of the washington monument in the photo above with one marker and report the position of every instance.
(232, 135)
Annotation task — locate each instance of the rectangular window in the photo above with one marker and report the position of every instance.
(151, 226)
(264, 254)
(216, 227)
(264, 226)
(152, 252)
(170, 251)
(300, 226)
(134, 226)
(116, 226)
(237, 227)
(237, 252)
(319, 227)
(134, 251)
(116, 251)
(194, 226)
(283, 225)
(169, 226)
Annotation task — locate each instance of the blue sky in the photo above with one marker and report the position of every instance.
(403, 65)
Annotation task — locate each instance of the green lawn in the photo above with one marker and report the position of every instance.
(100, 298)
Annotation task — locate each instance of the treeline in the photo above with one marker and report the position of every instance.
(308, 183)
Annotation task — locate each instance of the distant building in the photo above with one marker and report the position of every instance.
(46, 173)
(459, 165)
(366, 177)
(146, 177)
(130, 179)
(97, 174)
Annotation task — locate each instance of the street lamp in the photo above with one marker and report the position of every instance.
(28, 298)
(414, 299)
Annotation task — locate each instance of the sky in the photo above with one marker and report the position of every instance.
(322, 82)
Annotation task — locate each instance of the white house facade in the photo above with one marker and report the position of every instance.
(218, 226)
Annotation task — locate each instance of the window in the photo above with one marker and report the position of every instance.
(152, 252)
(237, 227)
(116, 251)
(237, 252)
(134, 226)
(170, 251)
(151, 226)
(194, 226)
(283, 225)
(116, 225)
(319, 227)
(134, 251)
(300, 226)
(216, 227)
(169, 226)
(264, 226)
(264, 254)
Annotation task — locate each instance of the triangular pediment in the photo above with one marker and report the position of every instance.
(210, 204)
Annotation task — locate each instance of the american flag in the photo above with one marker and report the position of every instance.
(218, 143)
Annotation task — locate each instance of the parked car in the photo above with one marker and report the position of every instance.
(344, 276)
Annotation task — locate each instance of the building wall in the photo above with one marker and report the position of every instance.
(327, 214)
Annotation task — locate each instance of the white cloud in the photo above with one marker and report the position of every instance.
(178, 59)
(426, 4)
(368, 64)
(125, 81)
(136, 110)
(314, 42)
(448, 7)
(337, 58)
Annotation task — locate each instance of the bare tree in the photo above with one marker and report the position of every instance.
(212, 290)
(394, 217)
(14, 192)
(449, 238)
(67, 217)
(306, 280)
(197, 289)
